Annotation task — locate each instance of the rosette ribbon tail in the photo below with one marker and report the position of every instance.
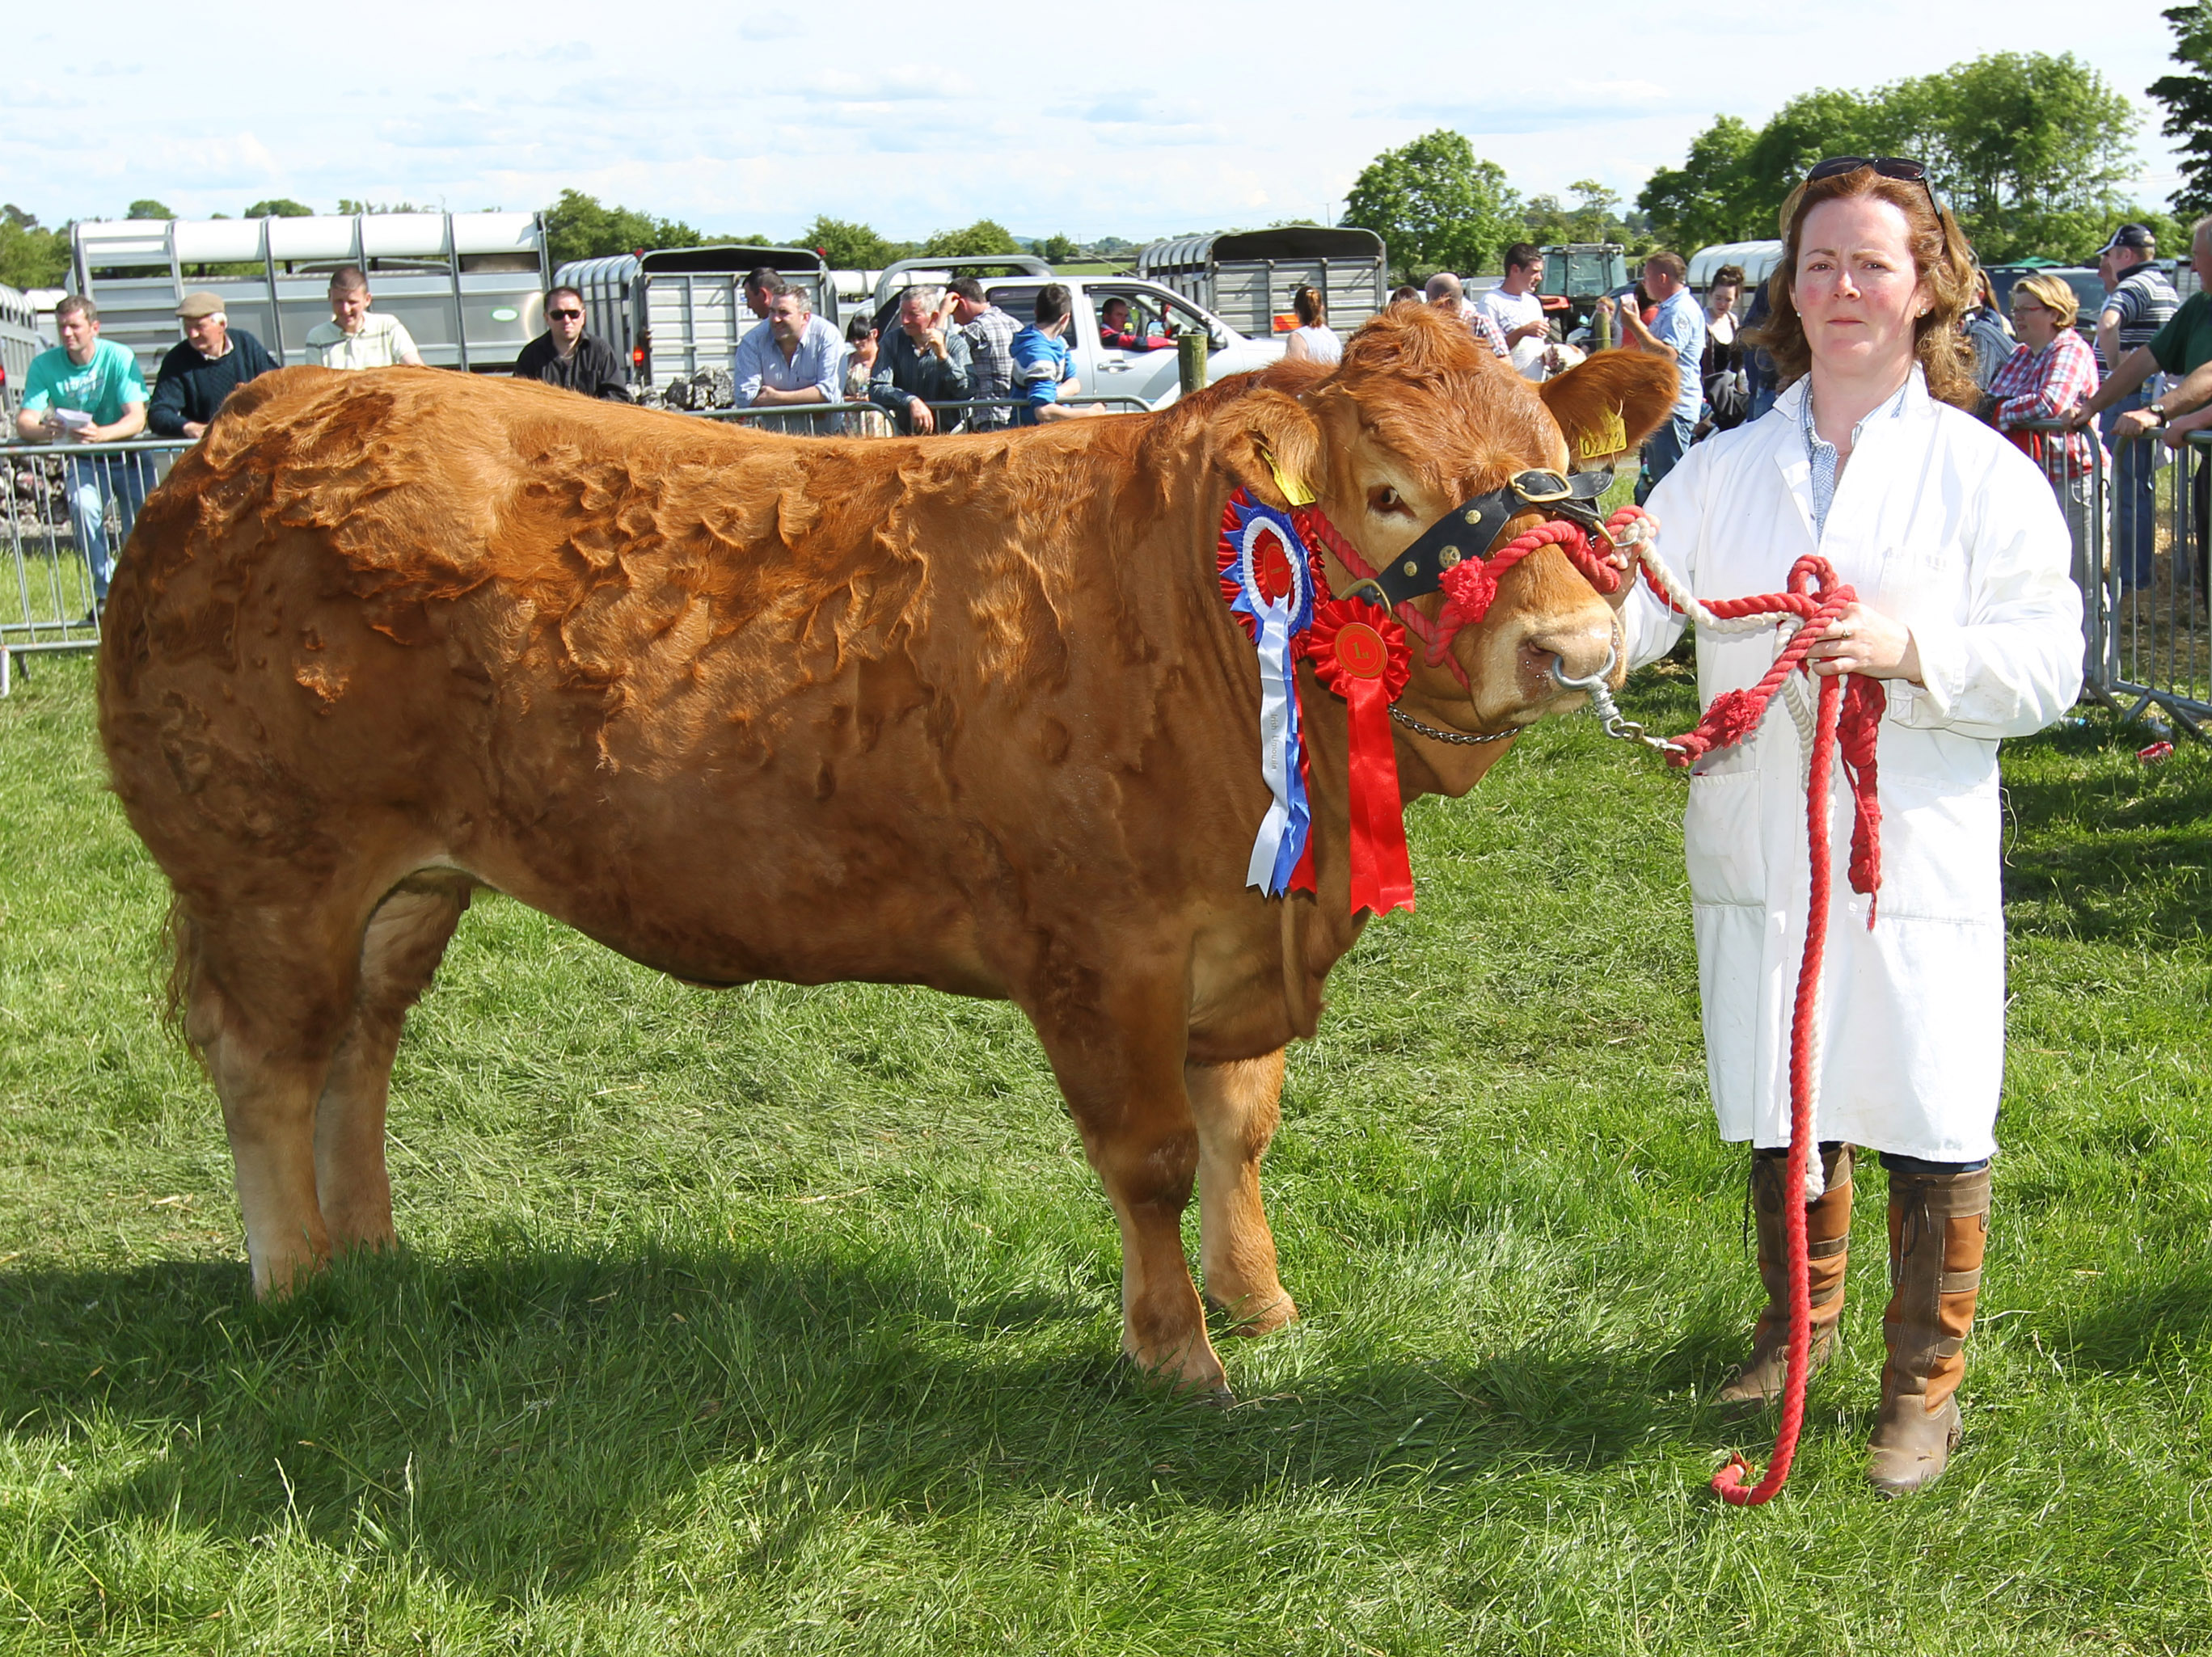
(1382, 868)
(1282, 837)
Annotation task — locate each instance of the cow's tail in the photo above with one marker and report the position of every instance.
(180, 935)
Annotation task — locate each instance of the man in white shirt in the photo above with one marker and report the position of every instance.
(1519, 313)
(355, 336)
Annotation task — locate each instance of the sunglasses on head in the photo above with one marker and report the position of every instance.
(564, 314)
(1903, 168)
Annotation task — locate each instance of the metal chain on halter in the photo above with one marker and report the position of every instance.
(1457, 738)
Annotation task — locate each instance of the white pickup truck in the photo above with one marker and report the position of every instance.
(1155, 313)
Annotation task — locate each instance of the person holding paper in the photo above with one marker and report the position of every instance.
(88, 389)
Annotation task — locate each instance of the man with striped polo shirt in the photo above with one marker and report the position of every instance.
(2140, 302)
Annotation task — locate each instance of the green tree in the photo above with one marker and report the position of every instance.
(347, 204)
(147, 207)
(280, 206)
(2188, 100)
(30, 256)
(1436, 205)
(849, 245)
(1703, 200)
(580, 226)
(1059, 250)
(2028, 149)
(985, 238)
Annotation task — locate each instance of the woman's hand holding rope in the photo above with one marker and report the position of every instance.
(1861, 640)
(1864, 641)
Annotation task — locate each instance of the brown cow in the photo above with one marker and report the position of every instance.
(968, 713)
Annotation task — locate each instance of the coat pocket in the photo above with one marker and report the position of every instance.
(1940, 846)
(1720, 837)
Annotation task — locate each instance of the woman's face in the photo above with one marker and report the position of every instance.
(1720, 299)
(1857, 290)
(2036, 323)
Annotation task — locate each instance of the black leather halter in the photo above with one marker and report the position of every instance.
(1468, 529)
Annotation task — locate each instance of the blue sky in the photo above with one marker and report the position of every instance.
(1132, 120)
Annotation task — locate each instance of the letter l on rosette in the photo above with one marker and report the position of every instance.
(1268, 575)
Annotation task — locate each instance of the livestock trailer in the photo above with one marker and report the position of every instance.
(20, 339)
(1756, 259)
(469, 287)
(670, 312)
(1246, 277)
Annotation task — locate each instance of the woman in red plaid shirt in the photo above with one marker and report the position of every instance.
(2051, 371)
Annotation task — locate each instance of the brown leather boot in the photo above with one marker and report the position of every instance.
(1938, 1225)
(1827, 1238)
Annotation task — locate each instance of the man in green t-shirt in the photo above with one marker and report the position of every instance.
(90, 390)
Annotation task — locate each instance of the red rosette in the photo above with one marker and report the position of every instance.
(1358, 659)
(1360, 653)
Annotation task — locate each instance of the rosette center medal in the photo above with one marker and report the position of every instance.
(1268, 575)
(1361, 652)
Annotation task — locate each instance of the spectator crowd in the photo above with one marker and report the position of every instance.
(2072, 394)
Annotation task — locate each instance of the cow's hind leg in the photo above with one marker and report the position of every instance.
(1237, 1107)
(1118, 1053)
(400, 949)
(266, 993)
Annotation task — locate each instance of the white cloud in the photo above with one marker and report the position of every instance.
(753, 119)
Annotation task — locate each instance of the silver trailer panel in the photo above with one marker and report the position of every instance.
(469, 287)
(1247, 277)
(20, 341)
(671, 312)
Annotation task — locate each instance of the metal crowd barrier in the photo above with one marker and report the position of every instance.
(68, 508)
(2162, 640)
(852, 419)
(2140, 524)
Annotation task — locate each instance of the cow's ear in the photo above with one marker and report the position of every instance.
(1610, 403)
(1271, 445)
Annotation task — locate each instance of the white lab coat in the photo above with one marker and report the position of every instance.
(1941, 524)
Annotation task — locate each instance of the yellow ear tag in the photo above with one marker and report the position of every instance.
(1609, 438)
(1290, 488)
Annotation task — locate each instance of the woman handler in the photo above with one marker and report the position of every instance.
(1958, 556)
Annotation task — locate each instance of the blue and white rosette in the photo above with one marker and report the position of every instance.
(1256, 540)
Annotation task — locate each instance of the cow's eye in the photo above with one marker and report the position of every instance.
(1387, 501)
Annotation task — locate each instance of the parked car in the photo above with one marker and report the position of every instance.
(2088, 287)
(1149, 377)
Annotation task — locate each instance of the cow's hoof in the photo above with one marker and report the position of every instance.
(1238, 1319)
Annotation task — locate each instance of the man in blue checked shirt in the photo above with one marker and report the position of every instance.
(785, 360)
(1676, 330)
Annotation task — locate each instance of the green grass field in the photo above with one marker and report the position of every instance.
(784, 1320)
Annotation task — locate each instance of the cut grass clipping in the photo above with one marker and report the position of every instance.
(784, 1320)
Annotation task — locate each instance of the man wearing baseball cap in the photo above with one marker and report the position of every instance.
(2139, 301)
(214, 360)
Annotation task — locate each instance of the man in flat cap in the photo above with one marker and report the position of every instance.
(214, 360)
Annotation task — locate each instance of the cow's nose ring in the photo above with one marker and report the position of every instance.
(1595, 681)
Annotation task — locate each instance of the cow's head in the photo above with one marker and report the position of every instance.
(1416, 422)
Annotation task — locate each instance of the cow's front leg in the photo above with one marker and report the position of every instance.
(1118, 1051)
(1237, 1107)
